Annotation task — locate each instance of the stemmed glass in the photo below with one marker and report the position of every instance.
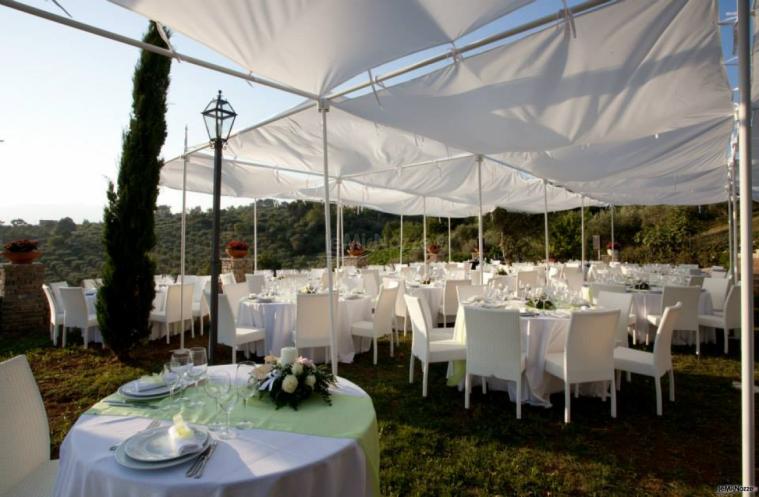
(220, 386)
(247, 388)
(217, 383)
(171, 379)
(198, 368)
(181, 365)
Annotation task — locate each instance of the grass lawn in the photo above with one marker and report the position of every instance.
(434, 447)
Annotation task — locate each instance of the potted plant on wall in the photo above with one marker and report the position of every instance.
(433, 248)
(237, 249)
(21, 251)
(612, 249)
(355, 249)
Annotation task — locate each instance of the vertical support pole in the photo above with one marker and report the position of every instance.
(480, 242)
(612, 230)
(424, 233)
(582, 235)
(400, 259)
(449, 240)
(339, 236)
(183, 239)
(213, 333)
(747, 291)
(255, 235)
(730, 226)
(736, 224)
(323, 109)
(545, 223)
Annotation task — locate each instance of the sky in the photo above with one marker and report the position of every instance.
(67, 97)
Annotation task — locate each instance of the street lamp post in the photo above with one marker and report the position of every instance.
(219, 117)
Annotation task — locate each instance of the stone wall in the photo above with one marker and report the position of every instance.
(23, 307)
(238, 267)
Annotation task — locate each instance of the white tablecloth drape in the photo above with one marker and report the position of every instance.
(433, 295)
(278, 319)
(257, 463)
(645, 303)
(540, 335)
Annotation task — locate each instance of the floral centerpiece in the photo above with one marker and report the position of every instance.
(237, 249)
(290, 381)
(308, 289)
(355, 248)
(21, 251)
(612, 248)
(641, 285)
(542, 303)
(501, 272)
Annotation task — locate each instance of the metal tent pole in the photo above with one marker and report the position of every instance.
(449, 240)
(424, 233)
(736, 223)
(339, 235)
(255, 236)
(400, 259)
(182, 241)
(323, 109)
(480, 243)
(213, 332)
(746, 238)
(582, 235)
(730, 226)
(545, 223)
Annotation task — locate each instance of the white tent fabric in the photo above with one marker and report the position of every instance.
(655, 68)
(316, 45)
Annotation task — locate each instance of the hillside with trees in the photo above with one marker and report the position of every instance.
(291, 235)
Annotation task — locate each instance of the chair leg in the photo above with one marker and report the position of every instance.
(635, 336)
(671, 385)
(618, 378)
(484, 385)
(374, 346)
(698, 342)
(613, 397)
(86, 336)
(392, 352)
(629, 377)
(234, 354)
(192, 327)
(168, 332)
(567, 400)
(405, 317)
(657, 383)
(201, 325)
(577, 390)
(726, 332)
(467, 389)
(411, 368)
(425, 372)
(64, 330)
(519, 398)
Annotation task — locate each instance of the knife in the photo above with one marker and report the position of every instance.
(202, 466)
(196, 462)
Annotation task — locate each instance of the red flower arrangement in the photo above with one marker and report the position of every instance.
(355, 248)
(613, 246)
(20, 246)
(237, 245)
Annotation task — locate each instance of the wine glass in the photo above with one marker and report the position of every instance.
(181, 365)
(247, 388)
(171, 379)
(198, 368)
(227, 399)
(217, 385)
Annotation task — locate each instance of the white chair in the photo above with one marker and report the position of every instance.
(717, 289)
(466, 292)
(235, 292)
(25, 466)
(493, 349)
(623, 303)
(371, 281)
(256, 282)
(382, 324)
(312, 321)
(657, 364)
(450, 304)
(227, 279)
(56, 288)
(596, 288)
(76, 313)
(588, 354)
(422, 347)
(502, 282)
(696, 280)
(177, 309)
(475, 277)
(199, 303)
(89, 284)
(232, 335)
(688, 318)
(729, 319)
(401, 314)
(56, 314)
(527, 278)
(573, 277)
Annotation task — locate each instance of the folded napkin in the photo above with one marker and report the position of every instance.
(149, 383)
(182, 438)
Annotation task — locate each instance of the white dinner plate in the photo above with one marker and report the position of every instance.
(155, 446)
(124, 460)
(130, 390)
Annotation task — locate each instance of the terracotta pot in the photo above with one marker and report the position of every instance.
(355, 253)
(236, 254)
(22, 257)
(433, 249)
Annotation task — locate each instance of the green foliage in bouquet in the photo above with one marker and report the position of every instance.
(541, 303)
(291, 384)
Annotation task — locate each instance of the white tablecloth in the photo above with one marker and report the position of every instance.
(257, 463)
(433, 295)
(540, 335)
(645, 303)
(278, 319)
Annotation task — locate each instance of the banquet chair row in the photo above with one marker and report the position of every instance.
(176, 311)
(229, 333)
(69, 310)
(382, 322)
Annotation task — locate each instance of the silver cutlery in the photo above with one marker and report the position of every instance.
(196, 462)
(153, 424)
(196, 471)
(124, 403)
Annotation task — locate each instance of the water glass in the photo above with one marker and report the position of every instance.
(247, 388)
(218, 384)
(171, 379)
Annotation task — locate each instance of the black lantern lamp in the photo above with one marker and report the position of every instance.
(219, 117)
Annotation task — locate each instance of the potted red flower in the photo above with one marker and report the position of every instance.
(21, 251)
(355, 249)
(433, 248)
(612, 249)
(237, 249)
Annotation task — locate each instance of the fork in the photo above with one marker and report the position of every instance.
(153, 424)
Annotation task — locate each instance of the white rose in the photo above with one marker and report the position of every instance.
(311, 380)
(297, 369)
(290, 383)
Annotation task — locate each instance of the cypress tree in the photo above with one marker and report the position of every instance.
(126, 297)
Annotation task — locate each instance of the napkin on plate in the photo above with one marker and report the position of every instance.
(151, 382)
(182, 437)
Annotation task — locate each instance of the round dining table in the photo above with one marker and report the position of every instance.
(318, 450)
